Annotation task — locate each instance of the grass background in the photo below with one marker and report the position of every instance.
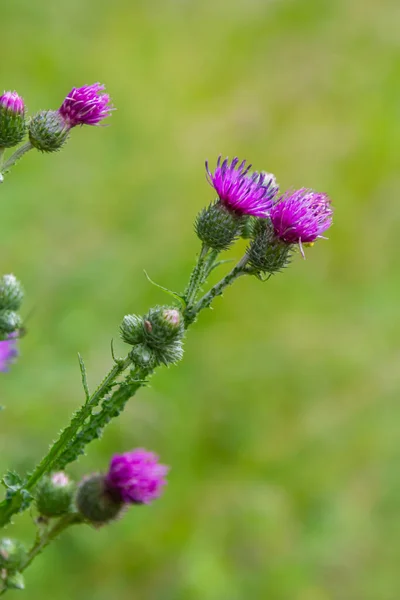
(282, 423)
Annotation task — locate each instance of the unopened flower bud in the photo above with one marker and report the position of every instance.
(218, 227)
(54, 495)
(132, 329)
(15, 581)
(11, 292)
(266, 253)
(162, 325)
(12, 119)
(12, 554)
(143, 357)
(10, 321)
(96, 503)
(48, 131)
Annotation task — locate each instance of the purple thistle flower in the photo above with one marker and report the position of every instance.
(240, 191)
(8, 353)
(136, 477)
(86, 106)
(12, 102)
(301, 216)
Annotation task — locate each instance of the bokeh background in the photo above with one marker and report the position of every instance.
(282, 423)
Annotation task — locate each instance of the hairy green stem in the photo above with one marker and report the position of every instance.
(191, 313)
(209, 264)
(16, 156)
(13, 505)
(44, 540)
(196, 277)
(86, 426)
(112, 407)
(48, 462)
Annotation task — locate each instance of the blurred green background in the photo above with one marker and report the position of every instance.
(282, 423)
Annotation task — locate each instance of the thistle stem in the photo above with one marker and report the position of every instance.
(77, 421)
(196, 277)
(191, 313)
(10, 507)
(44, 540)
(15, 157)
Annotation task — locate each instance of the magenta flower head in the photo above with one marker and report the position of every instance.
(301, 217)
(240, 191)
(133, 478)
(12, 102)
(8, 353)
(86, 106)
(136, 477)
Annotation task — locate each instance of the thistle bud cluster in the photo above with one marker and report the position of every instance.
(155, 338)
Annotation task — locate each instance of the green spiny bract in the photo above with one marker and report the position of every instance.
(248, 227)
(266, 253)
(217, 227)
(11, 293)
(54, 494)
(12, 554)
(12, 121)
(48, 131)
(95, 503)
(10, 321)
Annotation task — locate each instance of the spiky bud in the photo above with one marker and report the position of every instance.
(54, 495)
(12, 554)
(95, 502)
(12, 119)
(266, 253)
(48, 131)
(10, 321)
(162, 325)
(143, 357)
(131, 329)
(218, 227)
(11, 292)
(15, 581)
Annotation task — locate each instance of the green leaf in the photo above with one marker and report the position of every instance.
(12, 481)
(84, 378)
(175, 295)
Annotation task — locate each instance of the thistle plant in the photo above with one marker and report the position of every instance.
(248, 204)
